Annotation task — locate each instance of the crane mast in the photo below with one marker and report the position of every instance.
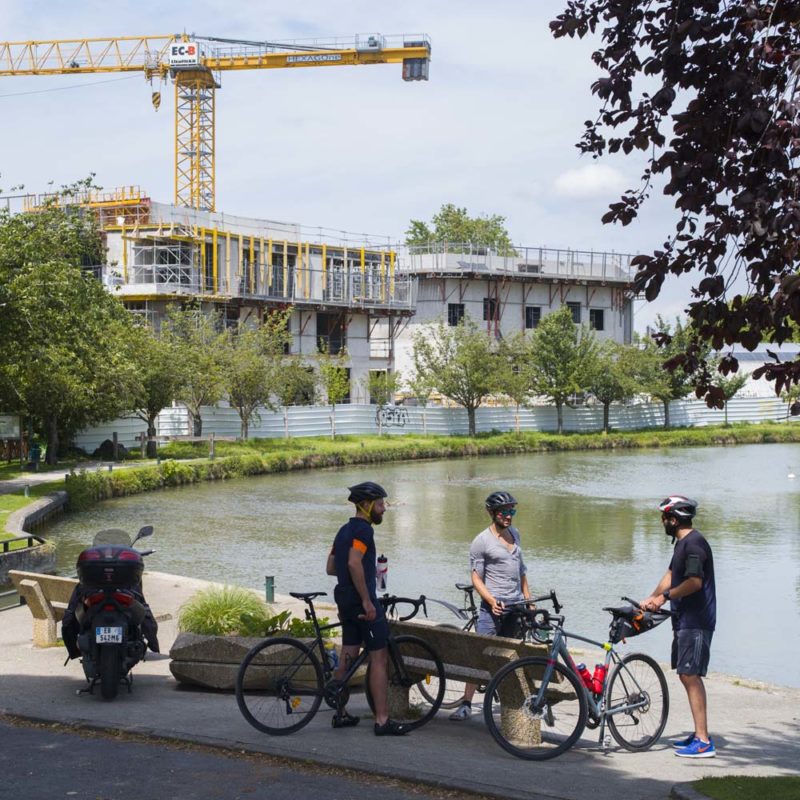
(191, 63)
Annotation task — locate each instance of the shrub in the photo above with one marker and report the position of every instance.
(285, 623)
(224, 611)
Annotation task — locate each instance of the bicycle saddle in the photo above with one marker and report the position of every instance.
(307, 595)
(465, 587)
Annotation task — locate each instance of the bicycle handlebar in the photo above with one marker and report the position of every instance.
(637, 604)
(389, 602)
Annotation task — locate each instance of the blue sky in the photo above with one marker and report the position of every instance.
(353, 149)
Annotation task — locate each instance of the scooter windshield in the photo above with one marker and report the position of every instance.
(112, 536)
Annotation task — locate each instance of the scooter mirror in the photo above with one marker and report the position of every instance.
(147, 530)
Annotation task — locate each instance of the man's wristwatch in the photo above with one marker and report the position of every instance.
(665, 593)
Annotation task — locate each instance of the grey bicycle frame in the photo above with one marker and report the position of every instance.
(597, 708)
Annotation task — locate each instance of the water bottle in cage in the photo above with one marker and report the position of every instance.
(599, 678)
(382, 575)
(332, 655)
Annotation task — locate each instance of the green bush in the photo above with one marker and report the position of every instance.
(285, 624)
(224, 611)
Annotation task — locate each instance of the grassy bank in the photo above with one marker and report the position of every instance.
(734, 787)
(17, 500)
(265, 456)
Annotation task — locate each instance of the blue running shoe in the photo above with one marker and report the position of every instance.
(697, 749)
(676, 743)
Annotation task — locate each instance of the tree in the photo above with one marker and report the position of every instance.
(159, 378)
(298, 386)
(722, 127)
(461, 362)
(668, 383)
(201, 349)
(561, 359)
(67, 361)
(335, 380)
(420, 389)
(730, 386)
(252, 372)
(517, 376)
(612, 376)
(454, 225)
(65, 342)
(382, 386)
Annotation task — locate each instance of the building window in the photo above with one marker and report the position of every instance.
(597, 319)
(575, 310)
(490, 309)
(455, 313)
(331, 335)
(533, 316)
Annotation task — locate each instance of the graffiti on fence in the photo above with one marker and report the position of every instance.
(386, 416)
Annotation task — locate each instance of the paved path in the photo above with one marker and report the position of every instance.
(88, 766)
(755, 726)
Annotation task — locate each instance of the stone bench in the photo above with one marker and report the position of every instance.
(47, 597)
(474, 658)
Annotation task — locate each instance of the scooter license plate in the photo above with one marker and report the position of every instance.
(108, 635)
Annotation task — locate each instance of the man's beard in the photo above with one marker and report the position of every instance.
(374, 518)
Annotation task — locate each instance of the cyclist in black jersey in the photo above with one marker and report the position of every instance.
(689, 586)
(353, 560)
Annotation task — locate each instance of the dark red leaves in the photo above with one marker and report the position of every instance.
(724, 128)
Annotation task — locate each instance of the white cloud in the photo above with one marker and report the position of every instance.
(593, 180)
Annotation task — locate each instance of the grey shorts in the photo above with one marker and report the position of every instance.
(691, 651)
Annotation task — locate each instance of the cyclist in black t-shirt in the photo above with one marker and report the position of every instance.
(353, 560)
(689, 586)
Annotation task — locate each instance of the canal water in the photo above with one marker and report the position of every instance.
(589, 524)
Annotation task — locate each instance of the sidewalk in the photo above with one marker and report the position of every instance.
(755, 726)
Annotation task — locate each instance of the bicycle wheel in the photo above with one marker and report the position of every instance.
(637, 702)
(453, 690)
(279, 686)
(531, 720)
(413, 664)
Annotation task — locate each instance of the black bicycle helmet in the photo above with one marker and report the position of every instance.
(678, 506)
(366, 491)
(499, 499)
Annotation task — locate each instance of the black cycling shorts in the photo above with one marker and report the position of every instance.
(691, 651)
(373, 635)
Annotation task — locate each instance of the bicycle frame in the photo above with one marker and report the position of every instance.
(596, 703)
(359, 660)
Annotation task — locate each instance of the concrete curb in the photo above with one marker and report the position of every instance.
(36, 512)
(686, 791)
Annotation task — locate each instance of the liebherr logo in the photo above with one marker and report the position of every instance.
(315, 59)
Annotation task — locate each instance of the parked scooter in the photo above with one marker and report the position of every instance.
(107, 623)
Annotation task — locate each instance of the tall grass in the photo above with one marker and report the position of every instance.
(223, 611)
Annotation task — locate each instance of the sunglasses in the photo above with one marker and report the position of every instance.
(505, 512)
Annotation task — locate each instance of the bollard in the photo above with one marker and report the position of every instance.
(269, 588)
(110, 467)
(212, 446)
(27, 490)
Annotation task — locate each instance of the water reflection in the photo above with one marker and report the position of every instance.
(588, 522)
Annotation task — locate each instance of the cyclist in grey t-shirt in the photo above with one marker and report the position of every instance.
(499, 575)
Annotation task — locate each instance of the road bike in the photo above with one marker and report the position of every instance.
(537, 708)
(282, 681)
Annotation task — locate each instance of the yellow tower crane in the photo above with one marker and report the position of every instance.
(194, 63)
